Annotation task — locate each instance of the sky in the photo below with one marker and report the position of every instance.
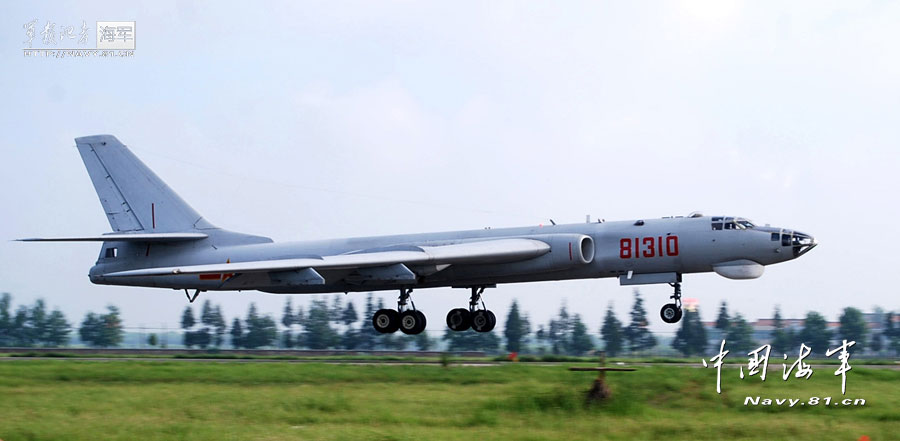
(311, 120)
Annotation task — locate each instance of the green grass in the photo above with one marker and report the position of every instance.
(92, 400)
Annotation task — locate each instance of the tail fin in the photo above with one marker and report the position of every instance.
(134, 198)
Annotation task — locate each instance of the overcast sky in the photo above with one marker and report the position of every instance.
(305, 120)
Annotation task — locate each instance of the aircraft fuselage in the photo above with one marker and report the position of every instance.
(679, 245)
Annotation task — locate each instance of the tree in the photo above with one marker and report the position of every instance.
(854, 327)
(781, 339)
(319, 334)
(559, 332)
(22, 331)
(335, 314)
(691, 336)
(237, 334)
(815, 333)
(287, 320)
(89, 332)
(37, 322)
(102, 330)
(891, 333)
(723, 321)
(58, 329)
(5, 320)
(112, 333)
(187, 323)
(740, 334)
(349, 316)
(638, 336)
(515, 329)
(581, 342)
(261, 330)
(202, 337)
(219, 327)
(612, 333)
(368, 336)
(350, 339)
(152, 340)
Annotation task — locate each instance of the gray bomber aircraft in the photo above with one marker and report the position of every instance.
(158, 240)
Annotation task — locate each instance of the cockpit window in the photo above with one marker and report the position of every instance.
(730, 223)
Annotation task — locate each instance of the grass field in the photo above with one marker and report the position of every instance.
(91, 400)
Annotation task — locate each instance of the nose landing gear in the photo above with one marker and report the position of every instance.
(405, 318)
(672, 312)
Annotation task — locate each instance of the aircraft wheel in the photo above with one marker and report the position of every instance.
(412, 322)
(386, 321)
(670, 313)
(422, 322)
(459, 319)
(483, 321)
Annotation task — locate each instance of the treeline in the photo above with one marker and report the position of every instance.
(34, 326)
(338, 325)
(323, 325)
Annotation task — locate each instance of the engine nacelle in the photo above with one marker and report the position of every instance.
(566, 251)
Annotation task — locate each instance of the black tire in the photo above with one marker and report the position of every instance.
(386, 321)
(670, 313)
(492, 321)
(481, 321)
(422, 322)
(412, 322)
(459, 319)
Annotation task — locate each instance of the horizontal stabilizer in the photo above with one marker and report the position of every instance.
(123, 237)
(488, 251)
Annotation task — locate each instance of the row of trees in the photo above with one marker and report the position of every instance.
(338, 325)
(34, 326)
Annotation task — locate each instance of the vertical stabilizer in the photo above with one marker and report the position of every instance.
(133, 197)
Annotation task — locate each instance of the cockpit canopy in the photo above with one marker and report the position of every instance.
(731, 223)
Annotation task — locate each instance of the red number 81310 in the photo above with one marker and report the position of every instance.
(648, 247)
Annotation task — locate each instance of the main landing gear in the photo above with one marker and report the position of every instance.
(411, 321)
(480, 320)
(672, 312)
(405, 318)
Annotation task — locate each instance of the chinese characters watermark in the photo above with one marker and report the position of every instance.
(758, 363)
(49, 39)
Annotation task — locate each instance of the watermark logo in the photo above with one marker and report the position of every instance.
(48, 39)
(115, 35)
(758, 363)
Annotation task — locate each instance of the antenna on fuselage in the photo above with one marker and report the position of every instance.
(551, 221)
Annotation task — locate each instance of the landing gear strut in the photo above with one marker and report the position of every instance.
(480, 320)
(190, 297)
(405, 318)
(672, 312)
